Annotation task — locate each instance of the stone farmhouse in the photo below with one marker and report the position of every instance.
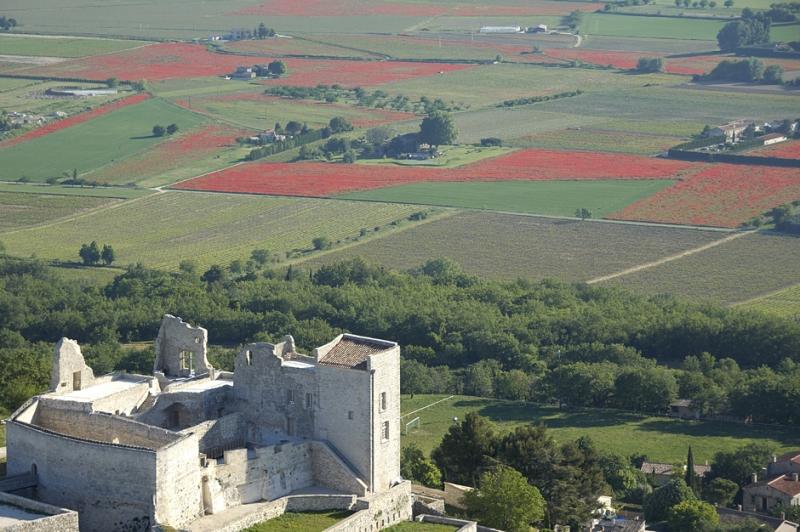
(781, 486)
(198, 449)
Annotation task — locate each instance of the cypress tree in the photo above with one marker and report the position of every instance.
(690, 478)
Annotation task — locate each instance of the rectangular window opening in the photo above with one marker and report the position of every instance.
(385, 430)
(384, 401)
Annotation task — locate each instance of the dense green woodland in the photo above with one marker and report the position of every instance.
(540, 341)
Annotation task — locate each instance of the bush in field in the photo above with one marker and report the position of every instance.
(650, 64)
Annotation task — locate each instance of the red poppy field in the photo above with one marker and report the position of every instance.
(181, 60)
(723, 195)
(74, 120)
(327, 179)
(171, 154)
(627, 60)
(349, 8)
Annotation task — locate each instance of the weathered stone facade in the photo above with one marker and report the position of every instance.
(129, 452)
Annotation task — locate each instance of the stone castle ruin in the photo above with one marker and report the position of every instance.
(198, 449)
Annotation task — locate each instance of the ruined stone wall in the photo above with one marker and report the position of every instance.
(386, 368)
(344, 415)
(53, 519)
(112, 487)
(124, 402)
(218, 434)
(196, 407)
(100, 427)
(263, 388)
(265, 473)
(179, 497)
(176, 336)
(69, 370)
(378, 511)
(330, 471)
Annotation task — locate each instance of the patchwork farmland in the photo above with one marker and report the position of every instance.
(580, 128)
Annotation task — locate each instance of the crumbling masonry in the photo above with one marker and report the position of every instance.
(190, 443)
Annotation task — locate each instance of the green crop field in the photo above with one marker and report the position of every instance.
(27, 97)
(515, 246)
(655, 27)
(254, 110)
(178, 19)
(91, 144)
(735, 271)
(673, 104)
(588, 138)
(61, 190)
(784, 303)
(10, 84)
(661, 439)
(648, 44)
(557, 198)
(163, 229)
(491, 84)
(62, 46)
(22, 210)
(509, 123)
(786, 33)
(300, 522)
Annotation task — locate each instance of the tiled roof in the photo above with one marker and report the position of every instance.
(785, 484)
(352, 352)
(790, 457)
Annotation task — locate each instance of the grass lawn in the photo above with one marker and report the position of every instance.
(62, 46)
(784, 303)
(61, 190)
(300, 522)
(93, 143)
(558, 198)
(21, 210)
(162, 229)
(736, 271)
(661, 439)
(452, 156)
(655, 27)
(515, 246)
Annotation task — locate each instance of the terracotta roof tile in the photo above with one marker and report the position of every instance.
(351, 352)
(786, 484)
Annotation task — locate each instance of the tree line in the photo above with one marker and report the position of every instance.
(519, 339)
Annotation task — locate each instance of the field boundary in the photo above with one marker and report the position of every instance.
(670, 258)
(426, 406)
(765, 295)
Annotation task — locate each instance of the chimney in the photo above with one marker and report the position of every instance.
(783, 516)
(774, 458)
(739, 507)
(755, 478)
(795, 477)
